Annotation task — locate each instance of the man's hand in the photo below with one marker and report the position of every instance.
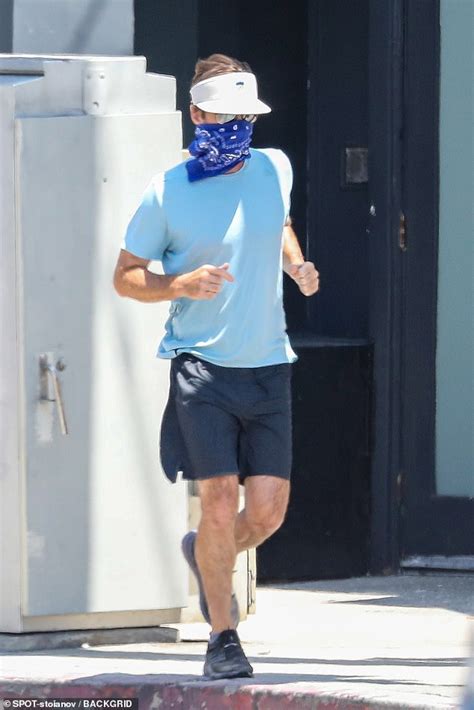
(306, 277)
(204, 283)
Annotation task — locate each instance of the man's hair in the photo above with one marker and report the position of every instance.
(217, 64)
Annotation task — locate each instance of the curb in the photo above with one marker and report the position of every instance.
(204, 695)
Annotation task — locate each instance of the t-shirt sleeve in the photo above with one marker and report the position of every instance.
(146, 235)
(284, 171)
(286, 180)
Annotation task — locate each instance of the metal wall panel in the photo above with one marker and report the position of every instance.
(103, 523)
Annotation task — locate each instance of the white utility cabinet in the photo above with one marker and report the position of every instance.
(90, 528)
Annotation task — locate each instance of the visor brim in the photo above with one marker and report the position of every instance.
(222, 106)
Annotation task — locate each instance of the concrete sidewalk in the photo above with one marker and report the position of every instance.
(379, 642)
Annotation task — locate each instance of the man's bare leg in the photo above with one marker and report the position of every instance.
(216, 546)
(266, 502)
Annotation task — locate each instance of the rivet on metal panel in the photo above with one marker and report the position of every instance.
(95, 92)
(60, 365)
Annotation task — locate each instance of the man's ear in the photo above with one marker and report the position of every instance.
(196, 114)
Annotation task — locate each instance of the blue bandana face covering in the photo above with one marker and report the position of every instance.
(218, 147)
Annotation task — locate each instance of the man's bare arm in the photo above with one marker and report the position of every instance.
(292, 253)
(132, 279)
(302, 272)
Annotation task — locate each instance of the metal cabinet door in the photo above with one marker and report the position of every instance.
(102, 523)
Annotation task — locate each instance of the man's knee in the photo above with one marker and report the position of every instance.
(266, 515)
(219, 500)
(264, 522)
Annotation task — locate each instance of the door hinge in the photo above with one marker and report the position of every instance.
(402, 232)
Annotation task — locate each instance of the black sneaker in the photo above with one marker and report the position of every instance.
(226, 659)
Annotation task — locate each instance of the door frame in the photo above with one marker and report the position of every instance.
(391, 50)
(385, 256)
(434, 527)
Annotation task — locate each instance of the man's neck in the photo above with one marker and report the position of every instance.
(237, 167)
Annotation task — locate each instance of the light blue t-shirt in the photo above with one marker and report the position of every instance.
(236, 218)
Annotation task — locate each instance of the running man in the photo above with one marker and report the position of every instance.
(220, 224)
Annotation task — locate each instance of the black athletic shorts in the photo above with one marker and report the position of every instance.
(226, 420)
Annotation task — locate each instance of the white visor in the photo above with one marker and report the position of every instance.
(235, 92)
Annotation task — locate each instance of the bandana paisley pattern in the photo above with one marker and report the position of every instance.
(218, 147)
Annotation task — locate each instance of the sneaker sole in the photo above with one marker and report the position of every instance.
(223, 676)
(187, 547)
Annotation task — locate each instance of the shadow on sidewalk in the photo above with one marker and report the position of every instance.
(442, 590)
(262, 678)
(126, 679)
(443, 662)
